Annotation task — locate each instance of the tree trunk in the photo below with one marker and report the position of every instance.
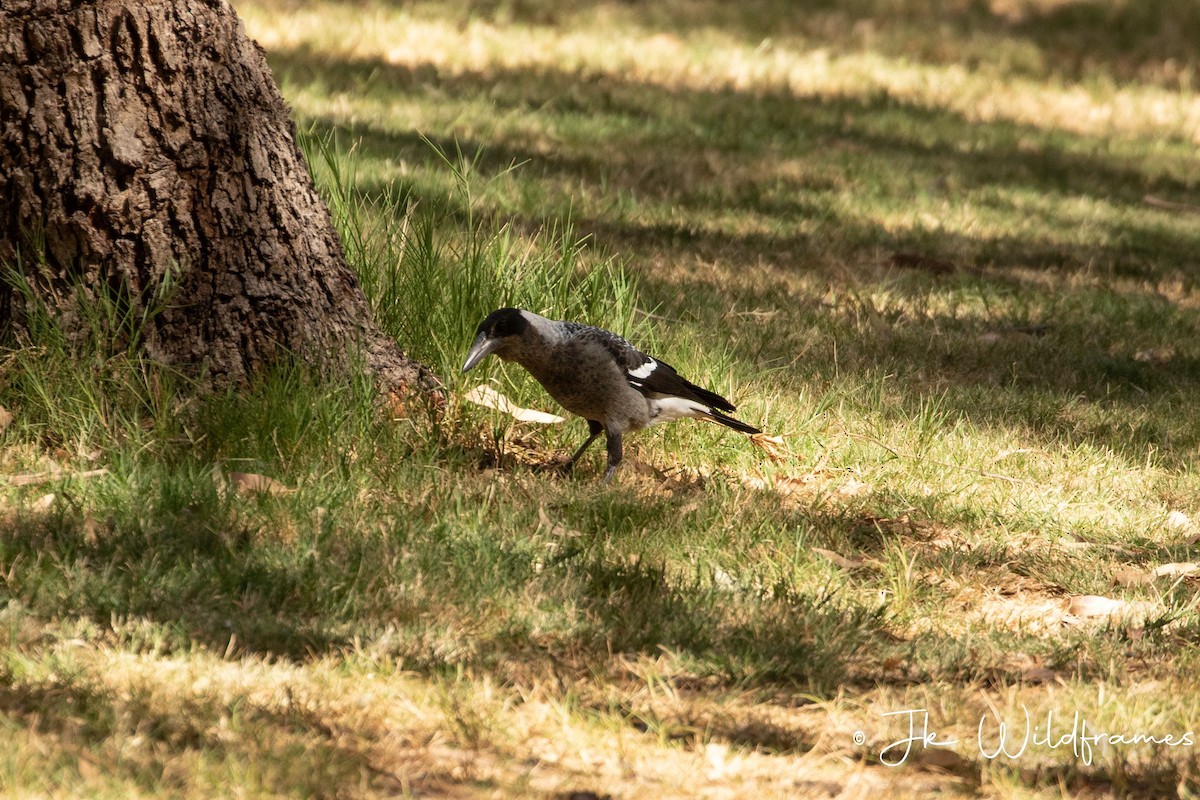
(139, 139)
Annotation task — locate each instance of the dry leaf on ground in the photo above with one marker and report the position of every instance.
(940, 758)
(854, 488)
(1031, 669)
(639, 467)
(31, 478)
(817, 484)
(397, 405)
(923, 262)
(253, 483)
(1132, 576)
(1027, 612)
(6, 418)
(1170, 205)
(1155, 355)
(774, 446)
(486, 396)
(554, 528)
(795, 484)
(1178, 521)
(1072, 544)
(1040, 675)
(723, 580)
(684, 477)
(1016, 333)
(840, 560)
(91, 529)
(1093, 605)
(1176, 569)
(1016, 451)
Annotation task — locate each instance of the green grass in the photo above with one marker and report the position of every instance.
(910, 239)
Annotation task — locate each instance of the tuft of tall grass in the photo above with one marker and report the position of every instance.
(434, 267)
(77, 375)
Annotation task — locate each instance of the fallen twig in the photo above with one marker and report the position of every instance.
(1170, 205)
(34, 478)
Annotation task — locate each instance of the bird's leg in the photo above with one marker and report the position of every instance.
(614, 454)
(594, 430)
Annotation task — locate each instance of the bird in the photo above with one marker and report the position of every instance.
(597, 375)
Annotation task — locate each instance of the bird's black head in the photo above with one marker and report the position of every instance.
(498, 334)
(503, 322)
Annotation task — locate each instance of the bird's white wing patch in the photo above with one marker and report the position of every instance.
(645, 369)
(666, 409)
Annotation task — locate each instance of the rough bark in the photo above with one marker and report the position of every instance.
(141, 137)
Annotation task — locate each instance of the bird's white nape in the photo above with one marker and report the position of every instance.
(668, 409)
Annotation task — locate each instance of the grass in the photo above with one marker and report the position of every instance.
(911, 239)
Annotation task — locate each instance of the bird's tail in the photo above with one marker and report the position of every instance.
(730, 422)
(710, 399)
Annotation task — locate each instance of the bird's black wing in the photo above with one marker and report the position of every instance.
(651, 377)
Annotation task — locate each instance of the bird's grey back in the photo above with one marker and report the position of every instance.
(626, 355)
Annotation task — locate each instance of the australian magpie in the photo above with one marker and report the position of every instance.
(598, 375)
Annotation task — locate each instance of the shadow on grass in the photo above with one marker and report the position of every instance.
(1121, 40)
(454, 596)
(444, 594)
(182, 574)
(82, 717)
(189, 569)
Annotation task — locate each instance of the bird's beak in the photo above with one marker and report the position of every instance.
(481, 348)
